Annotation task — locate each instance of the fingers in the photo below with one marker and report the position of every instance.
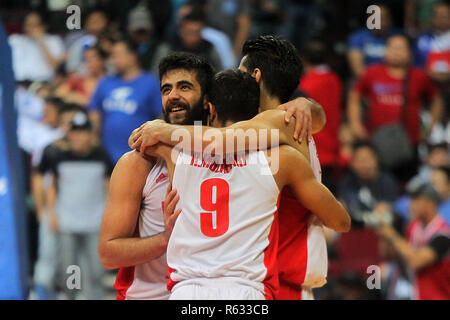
(298, 125)
(289, 113)
(171, 204)
(304, 129)
(169, 187)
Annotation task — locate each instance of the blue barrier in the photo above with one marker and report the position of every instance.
(13, 232)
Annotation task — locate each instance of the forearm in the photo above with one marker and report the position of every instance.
(404, 249)
(38, 194)
(125, 252)
(436, 109)
(48, 56)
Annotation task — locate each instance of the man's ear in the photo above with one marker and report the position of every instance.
(212, 112)
(205, 102)
(257, 75)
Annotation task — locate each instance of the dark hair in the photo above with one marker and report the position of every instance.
(435, 146)
(131, 45)
(235, 95)
(70, 107)
(196, 14)
(279, 62)
(55, 102)
(315, 52)
(100, 52)
(364, 144)
(408, 40)
(204, 72)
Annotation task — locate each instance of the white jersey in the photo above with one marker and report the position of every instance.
(317, 261)
(228, 224)
(150, 278)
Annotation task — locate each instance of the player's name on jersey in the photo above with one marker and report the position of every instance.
(224, 167)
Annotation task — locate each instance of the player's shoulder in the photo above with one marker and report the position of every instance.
(134, 164)
(287, 154)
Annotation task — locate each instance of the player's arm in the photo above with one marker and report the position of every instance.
(265, 130)
(312, 194)
(415, 258)
(117, 246)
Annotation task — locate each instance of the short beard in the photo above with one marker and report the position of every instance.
(196, 113)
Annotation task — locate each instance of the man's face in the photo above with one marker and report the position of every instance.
(94, 63)
(182, 97)
(79, 140)
(32, 21)
(441, 17)
(420, 206)
(440, 182)
(122, 59)
(365, 164)
(96, 22)
(397, 52)
(191, 33)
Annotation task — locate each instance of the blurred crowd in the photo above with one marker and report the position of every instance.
(385, 92)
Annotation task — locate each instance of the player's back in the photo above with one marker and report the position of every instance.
(228, 225)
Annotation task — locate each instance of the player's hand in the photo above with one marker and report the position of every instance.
(170, 215)
(300, 109)
(145, 136)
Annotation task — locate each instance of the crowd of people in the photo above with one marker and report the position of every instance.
(384, 151)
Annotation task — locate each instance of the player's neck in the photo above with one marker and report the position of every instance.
(267, 102)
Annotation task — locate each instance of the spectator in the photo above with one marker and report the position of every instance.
(233, 18)
(440, 180)
(45, 267)
(189, 38)
(324, 86)
(395, 93)
(418, 15)
(437, 40)
(79, 197)
(96, 25)
(438, 155)
(218, 39)
(366, 47)
(150, 49)
(365, 188)
(124, 101)
(301, 17)
(35, 54)
(426, 245)
(79, 89)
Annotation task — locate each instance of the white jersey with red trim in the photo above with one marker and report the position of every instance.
(228, 224)
(317, 257)
(150, 278)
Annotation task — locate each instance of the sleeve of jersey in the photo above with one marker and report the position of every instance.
(440, 245)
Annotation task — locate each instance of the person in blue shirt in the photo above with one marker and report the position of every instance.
(440, 180)
(124, 101)
(439, 33)
(366, 47)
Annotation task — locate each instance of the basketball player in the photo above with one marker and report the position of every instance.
(134, 234)
(277, 68)
(224, 245)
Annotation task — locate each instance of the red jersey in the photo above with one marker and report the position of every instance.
(302, 252)
(385, 94)
(324, 86)
(431, 282)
